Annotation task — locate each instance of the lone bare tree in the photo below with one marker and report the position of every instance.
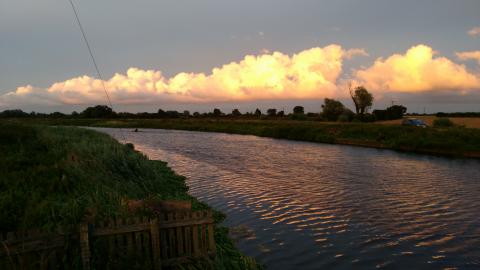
(362, 99)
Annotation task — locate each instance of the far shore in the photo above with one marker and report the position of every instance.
(462, 140)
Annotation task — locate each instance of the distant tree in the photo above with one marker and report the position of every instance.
(380, 115)
(236, 112)
(74, 114)
(347, 115)
(272, 112)
(217, 112)
(258, 112)
(57, 115)
(298, 110)
(99, 111)
(391, 113)
(186, 113)
(396, 112)
(13, 113)
(172, 114)
(196, 114)
(332, 109)
(281, 113)
(362, 99)
(161, 113)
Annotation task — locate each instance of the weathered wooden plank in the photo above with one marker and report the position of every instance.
(122, 229)
(195, 241)
(138, 239)
(129, 236)
(173, 206)
(171, 237)
(111, 242)
(155, 239)
(203, 239)
(181, 223)
(84, 246)
(164, 243)
(119, 237)
(188, 240)
(179, 234)
(211, 239)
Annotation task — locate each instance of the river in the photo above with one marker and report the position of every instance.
(299, 205)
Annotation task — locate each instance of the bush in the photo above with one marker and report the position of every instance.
(343, 118)
(332, 109)
(442, 122)
(298, 116)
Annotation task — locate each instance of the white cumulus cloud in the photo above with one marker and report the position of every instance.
(416, 70)
(311, 73)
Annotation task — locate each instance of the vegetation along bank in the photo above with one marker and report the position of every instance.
(54, 176)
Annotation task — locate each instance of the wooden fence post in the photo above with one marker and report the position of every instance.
(211, 236)
(85, 246)
(155, 239)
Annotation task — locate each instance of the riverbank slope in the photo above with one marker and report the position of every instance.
(51, 176)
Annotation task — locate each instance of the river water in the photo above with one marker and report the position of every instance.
(298, 205)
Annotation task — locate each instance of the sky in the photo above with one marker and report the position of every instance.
(196, 55)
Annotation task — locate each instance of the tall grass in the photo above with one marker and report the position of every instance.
(51, 176)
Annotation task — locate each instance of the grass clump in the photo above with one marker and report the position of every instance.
(442, 122)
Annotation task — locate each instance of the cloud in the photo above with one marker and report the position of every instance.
(355, 52)
(415, 71)
(312, 73)
(474, 31)
(472, 55)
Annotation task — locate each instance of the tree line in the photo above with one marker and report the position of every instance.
(332, 110)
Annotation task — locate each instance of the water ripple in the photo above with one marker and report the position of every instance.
(311, 206)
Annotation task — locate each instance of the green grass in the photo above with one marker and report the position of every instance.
(55, 176)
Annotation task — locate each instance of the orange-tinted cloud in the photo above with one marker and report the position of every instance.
(472, 55)
(415, 71)
(312, 73)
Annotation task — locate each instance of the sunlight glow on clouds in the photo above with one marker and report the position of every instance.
(415, 71)
(473, 55)
(310, 74)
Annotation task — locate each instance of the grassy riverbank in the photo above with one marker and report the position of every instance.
(454, 141)
(52, 176)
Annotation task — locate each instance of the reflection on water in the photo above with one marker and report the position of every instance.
(297, 205)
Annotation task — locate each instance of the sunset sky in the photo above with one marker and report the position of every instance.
(197, 55)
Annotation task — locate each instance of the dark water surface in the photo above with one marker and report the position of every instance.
(296, 205)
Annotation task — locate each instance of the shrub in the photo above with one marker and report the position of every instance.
(298, 110)
(343, 118)
(332, 109)
(442, 122)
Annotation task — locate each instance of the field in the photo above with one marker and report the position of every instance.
(56, 176)
(468, 122)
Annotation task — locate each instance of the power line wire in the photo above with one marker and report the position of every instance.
(93, 59)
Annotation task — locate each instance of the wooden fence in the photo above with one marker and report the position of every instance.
(169, 239)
